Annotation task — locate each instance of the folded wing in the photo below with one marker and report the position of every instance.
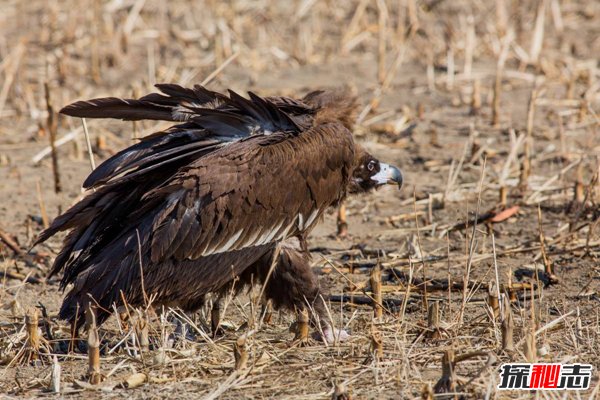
(191, 208)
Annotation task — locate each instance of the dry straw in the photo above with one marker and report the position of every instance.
(434, 79)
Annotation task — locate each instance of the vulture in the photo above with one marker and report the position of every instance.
(224, 198)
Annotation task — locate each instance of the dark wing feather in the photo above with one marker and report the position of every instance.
(178, 93)
(236, 118)
(243, 116)
(126, 109)
(273, 114)
(153, 106)
(290, 105)
(218, 186)
(223, 122)
(135, 163)
(211, 219)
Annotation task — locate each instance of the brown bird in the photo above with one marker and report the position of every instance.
(207, 204)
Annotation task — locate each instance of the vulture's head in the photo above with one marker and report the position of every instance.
(341, 105)
(370, 173)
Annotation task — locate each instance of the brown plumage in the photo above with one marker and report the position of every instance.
(210, 199)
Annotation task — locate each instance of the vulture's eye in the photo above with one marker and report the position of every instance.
(371, 165)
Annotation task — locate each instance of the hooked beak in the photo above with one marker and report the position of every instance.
(388, 175)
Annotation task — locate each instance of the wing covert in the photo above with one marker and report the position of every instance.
(248, 194)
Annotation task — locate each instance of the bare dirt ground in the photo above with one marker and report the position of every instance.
(428, 74)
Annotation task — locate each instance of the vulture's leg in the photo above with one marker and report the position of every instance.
(291, 285)
(342, 225)
(266, 311)
(294, 286)
(215, 318)
(231, 288)
(246, 279)
(216, 328)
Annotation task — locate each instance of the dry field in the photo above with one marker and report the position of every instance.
(491, 108)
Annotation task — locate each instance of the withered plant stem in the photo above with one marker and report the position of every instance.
(33, 334)
(376, 344)
(425, 299)
(529, 348)
(342, 224)
(548, 268)
(476, 98)
(302, 327)
(433, 320)
(52, 127)
(93, 341)
(267, 311)
(492, 300)
(142, 331)
(88, 144)
(527, 147)
(55, 375)
(375, 279)
(503, 196)
(240, 353)
(496, 99)
(382, 14)
(507, 326)
(42, 205)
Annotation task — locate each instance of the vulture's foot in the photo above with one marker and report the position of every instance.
(332, 336)
(216, 329)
